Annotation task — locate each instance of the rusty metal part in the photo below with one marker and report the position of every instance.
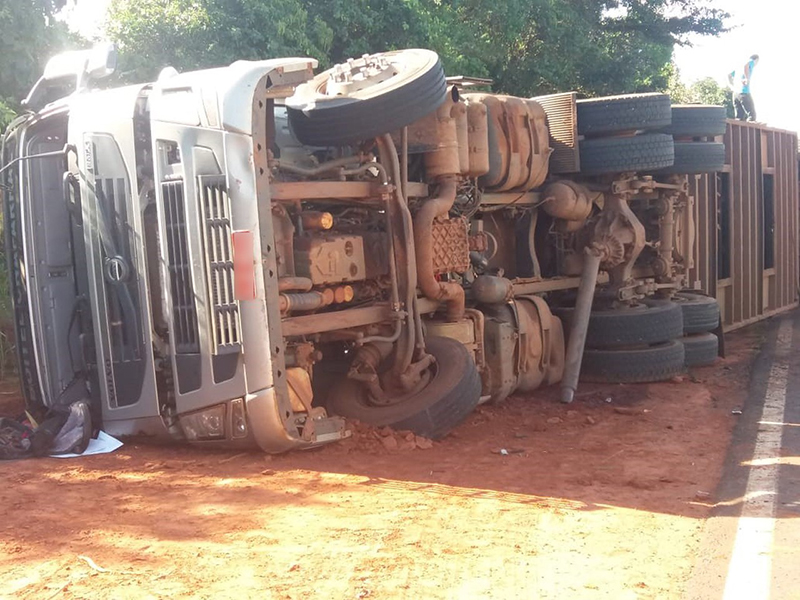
(462, 331)
(345, 319)
(612, 248)
(295, 284)
(478, 242)
(306, 301)
(329, 259)
(567, 200)
(284, 241)
(404, 162)
(450, 293)
(300, 392)
(524, 347)
(618, 221)
(478, 320)
(301, 396)
(491, 201)
(459, 113)
(364, 368)
(477, 139)
(580, 323)
(363, 192)
(450, 245)
(541, 345)
(405, 257)
(444, 160)
(413, 377)
(316, 220)
(666, 238)
(520, 153)
(490, 289)
(343, 293)
(302, 355)
(326, 167)
(468, 332)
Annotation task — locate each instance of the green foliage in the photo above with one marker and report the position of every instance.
(527, 46)
(29, 35)
(7, 114)
(192, 34)
(703, 91)
(708, 91)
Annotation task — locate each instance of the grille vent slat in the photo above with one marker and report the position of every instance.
(185, 335)
(215, 208)
(562, 121)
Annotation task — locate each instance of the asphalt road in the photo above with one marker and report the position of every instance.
(751, 544)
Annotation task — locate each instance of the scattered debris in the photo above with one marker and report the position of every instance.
(628, 410)
(390, 442)
(93, 564)
(234, 457)
(507, 451)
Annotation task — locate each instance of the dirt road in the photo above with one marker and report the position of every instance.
(605, 498)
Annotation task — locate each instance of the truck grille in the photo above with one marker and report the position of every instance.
(215, 208)
(562, 120)
(184, 312)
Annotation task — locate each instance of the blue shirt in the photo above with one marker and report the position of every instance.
(741, 77)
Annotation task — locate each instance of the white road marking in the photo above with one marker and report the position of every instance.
(750, 570)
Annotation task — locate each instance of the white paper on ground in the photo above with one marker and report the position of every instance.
(102, 445)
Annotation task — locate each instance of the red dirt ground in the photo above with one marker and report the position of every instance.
(601, 499)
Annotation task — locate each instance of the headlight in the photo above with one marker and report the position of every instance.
(238, 421)
(207, 424)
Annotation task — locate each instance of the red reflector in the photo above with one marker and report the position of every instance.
(244, 275)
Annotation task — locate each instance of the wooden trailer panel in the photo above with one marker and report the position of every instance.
(746, 225)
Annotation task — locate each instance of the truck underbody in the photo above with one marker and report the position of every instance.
(251, 254)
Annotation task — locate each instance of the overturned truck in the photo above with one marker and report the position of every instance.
(252, 254)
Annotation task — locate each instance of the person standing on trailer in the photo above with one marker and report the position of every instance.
(739, 82)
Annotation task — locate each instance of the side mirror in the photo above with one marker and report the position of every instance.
(79, 66)
(102, 61)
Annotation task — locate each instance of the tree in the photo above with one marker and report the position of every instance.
(702, 91)
(596, 47)
(192, 34)
(29, 35)
(527, 46)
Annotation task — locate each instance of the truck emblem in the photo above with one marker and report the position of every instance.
(88, 155)
(116, 269)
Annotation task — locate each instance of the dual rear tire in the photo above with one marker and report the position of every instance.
(653, 341)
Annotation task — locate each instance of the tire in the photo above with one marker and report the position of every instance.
(645, 365)
(697, 157)
(637, 326)
(418, 89)
(697, 120)
(700, 313)
(613, 114)
(700, 349)
(646, 152)
(444, 403)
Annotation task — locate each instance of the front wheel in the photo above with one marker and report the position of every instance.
(451, 394)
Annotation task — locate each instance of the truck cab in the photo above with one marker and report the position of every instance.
(135, 219)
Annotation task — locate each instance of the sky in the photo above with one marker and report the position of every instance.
(769, 28)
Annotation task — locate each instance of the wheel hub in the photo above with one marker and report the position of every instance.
(359, 73)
